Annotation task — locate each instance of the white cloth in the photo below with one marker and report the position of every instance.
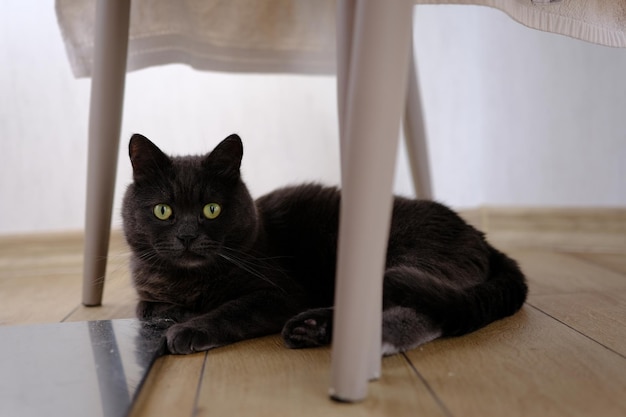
(597, 21)
(290, 36)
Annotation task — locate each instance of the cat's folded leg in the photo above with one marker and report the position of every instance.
(408, 295)
(405, 329)
(210, 331)
(309, 329)
(253, 315)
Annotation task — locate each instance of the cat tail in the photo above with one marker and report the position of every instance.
(421, 307)
(501, 295)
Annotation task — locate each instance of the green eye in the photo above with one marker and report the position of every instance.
(211, 210)
(162, 211)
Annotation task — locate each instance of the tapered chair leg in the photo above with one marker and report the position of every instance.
(374, 97)
(105, 117)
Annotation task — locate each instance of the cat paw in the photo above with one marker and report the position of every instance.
(183, 339)
(309, 329)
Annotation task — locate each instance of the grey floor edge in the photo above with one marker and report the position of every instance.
(90, 368)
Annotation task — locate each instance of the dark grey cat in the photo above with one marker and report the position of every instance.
(216, 267)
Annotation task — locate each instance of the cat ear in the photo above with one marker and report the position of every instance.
(147, 159)
(225, 159)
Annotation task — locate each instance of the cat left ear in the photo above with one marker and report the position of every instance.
(225, 159)
(147, 159)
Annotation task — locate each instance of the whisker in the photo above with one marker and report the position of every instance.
(151, 257)
(255, 261)
(246, 267)
(254, 254)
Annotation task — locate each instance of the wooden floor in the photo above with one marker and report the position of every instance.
(564, 354)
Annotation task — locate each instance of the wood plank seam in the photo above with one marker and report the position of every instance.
(196, 397)
(444, 409)
(71, 312)
(576, 330)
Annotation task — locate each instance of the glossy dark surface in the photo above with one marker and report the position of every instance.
(81, 369)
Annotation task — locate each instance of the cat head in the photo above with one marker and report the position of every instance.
(184, 212)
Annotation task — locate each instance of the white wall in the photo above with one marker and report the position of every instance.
(514, 117)
(520, 117)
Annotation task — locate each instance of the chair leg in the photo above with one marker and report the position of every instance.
(374, 97)
(345, 27)
(105, 117)
(415, 135)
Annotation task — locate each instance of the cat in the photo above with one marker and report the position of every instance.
(212, 266)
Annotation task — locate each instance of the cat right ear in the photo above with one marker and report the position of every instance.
(225, 160)
(147, 159)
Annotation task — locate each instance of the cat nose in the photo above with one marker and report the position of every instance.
(187, 234)
(187, 239)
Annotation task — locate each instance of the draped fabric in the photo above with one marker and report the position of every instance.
(289, 36)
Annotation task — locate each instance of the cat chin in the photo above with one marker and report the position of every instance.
(191, 261)
(191, 264)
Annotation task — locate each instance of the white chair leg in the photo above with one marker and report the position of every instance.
(415, 135)
(374, 97)
(105, 117)
(345, 26)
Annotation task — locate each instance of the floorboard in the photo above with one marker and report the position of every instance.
(37, 298)
(171, 388)
(557, 273)
(263, 378)
(118, 301)
(527, 365)
(615, 262)
(599, 316)
(564, 354)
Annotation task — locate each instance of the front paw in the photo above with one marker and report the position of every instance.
(183, 339)
(309, 329)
